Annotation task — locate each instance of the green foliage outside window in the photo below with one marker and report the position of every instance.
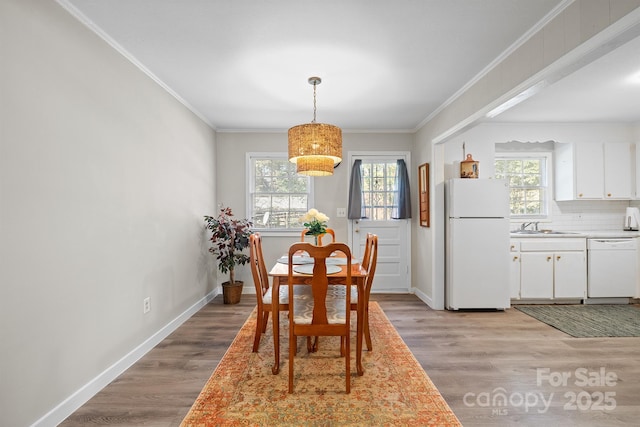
(279, 195)
(527, 183)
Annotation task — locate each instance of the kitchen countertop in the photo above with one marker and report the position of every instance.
(605, 234)
(611, 234)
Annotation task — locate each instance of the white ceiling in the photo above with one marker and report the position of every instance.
(606, 90)
(386, 65)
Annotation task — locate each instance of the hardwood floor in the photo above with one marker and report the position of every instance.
(472, 357)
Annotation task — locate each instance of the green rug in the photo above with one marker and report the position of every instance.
(587, 321)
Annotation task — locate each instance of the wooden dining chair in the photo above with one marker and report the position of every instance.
(264, 292)
(329, 231)
(366, 256)
(369, 262)
(322, 315)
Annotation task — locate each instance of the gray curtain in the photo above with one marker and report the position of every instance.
(402, 210)
(355, 192)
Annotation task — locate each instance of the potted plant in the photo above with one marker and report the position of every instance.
(230, 236)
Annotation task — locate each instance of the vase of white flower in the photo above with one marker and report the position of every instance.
(315, 223)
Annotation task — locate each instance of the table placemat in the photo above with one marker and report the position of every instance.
(297, 260)
(308, 269)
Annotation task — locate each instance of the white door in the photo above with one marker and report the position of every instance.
(393, 271)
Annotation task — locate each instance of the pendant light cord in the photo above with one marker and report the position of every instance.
(314, 102)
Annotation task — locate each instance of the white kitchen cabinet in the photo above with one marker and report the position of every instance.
(570, 274)
(551, 268)
(619, 168)
(514, 270)
(536, 275)
(594, 171)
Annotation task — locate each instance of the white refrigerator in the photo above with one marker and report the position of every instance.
(477, 244)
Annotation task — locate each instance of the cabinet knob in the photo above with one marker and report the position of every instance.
(608, 194)
(549, 258)
(515, 258)
(558, 257)
(580, 195)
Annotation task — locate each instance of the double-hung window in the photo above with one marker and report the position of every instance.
(277, 195)
(529, 182)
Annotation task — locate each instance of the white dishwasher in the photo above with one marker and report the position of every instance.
(612, 267)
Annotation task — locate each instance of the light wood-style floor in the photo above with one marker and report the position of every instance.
(473, 358)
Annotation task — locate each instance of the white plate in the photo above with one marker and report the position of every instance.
(296, 260)
(308, 269)
(336, 261)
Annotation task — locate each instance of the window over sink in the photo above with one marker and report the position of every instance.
(528, 175)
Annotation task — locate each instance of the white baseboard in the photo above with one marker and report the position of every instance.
(86, 392)
(424, 298)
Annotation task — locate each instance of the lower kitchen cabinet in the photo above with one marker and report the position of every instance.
(570, 275)
(549, 269)
(514, 273)
(536, 275)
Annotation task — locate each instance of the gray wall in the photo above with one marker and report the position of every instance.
(104, 178)
(330, 192)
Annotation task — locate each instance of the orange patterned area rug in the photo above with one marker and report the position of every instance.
(394, 389)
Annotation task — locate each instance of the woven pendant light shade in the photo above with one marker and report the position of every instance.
(315, 139)
(314, 166)
(315, 148)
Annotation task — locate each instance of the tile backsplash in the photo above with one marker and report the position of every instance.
(581, 215)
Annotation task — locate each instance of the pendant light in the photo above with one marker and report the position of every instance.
(315, 148)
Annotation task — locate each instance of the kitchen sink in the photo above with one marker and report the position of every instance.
(541, 232)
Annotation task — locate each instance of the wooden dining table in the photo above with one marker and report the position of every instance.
(280, 274)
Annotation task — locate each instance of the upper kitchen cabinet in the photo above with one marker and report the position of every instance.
(594, 171)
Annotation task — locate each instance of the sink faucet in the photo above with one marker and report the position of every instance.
(525, 225)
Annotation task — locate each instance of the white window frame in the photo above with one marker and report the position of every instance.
(548, 156)
(250, 179)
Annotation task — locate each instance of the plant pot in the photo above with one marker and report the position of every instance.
(231, 292)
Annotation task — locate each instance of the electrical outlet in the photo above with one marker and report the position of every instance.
(341, 212)
(146, 305)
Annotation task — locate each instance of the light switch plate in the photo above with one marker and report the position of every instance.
(341, 212)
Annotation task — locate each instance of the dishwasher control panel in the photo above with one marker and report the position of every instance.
(613, 244)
